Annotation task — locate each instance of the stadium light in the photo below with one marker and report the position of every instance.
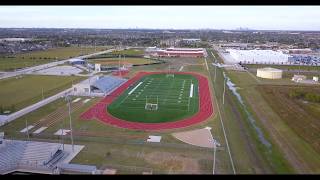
(68, 98)
(224, 90)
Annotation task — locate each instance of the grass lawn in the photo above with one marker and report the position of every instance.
(22, 91)
(173, 93)
(301, 116)
(129, 52)
(115, 61)
(42, 57)
(293, 147)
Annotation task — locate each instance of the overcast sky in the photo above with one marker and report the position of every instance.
(175, 17)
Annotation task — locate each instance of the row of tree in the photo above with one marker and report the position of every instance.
(308, 96)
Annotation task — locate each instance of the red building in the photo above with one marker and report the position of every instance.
(180, 52)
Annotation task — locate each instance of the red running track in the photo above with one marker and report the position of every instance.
(99, 111)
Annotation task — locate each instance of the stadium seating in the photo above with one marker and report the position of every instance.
(108, 83)
(29, 154)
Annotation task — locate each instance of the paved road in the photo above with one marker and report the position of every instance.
(48, 65)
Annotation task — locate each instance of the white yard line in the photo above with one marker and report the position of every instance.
(135, 88)
(127, 96)
(191, 91)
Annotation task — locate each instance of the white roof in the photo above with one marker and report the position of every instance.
(154, 139)
(270, 69)
(75, 60)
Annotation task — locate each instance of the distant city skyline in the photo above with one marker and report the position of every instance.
(305, 18)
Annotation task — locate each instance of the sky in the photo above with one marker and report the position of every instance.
(162, 17)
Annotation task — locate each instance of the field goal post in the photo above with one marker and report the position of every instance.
(151, 103)
(169, 73)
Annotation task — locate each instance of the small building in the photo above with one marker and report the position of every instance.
(269, 73)
(298, 78)
(77, 61)
(97, 67)
(315, 78)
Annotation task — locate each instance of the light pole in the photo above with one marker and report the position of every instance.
(42, 94)
(68, 98)
(224, 90)
(215, 73)
(214, 156)
(27, 129)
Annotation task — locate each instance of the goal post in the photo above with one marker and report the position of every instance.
(169, 73)
(151, 103)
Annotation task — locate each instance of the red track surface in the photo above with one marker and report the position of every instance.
(99, 111)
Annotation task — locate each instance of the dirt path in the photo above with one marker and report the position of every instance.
(197, 137)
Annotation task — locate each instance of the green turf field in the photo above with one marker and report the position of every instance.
(173, 94)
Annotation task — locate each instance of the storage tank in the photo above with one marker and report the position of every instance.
(269, 73)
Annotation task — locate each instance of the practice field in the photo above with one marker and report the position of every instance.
(153, 101)
(116, 61)
(21, 91)
(129, 52)
(41, 57)
(176, 98)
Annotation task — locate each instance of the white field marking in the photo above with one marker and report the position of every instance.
(76, 100)
(181, 68)
(191, 90)
(39, 130)
(135, 88)
(26, 129)
(128, 96)
(206, 64)
(85, 101)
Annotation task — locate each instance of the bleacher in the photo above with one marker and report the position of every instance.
(29, 155)
(10, 154)
(39, 152)
(108, 83)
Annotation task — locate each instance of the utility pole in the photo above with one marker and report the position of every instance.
(214, 156)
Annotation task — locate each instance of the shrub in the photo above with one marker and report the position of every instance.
(296, 94)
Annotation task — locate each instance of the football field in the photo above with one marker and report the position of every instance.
(158, 98)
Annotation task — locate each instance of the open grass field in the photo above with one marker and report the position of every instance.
(177, 98)
(26, 90)
(41, 57)
(289, 145)
(129, 52)
(115, 61)
(301, 116)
